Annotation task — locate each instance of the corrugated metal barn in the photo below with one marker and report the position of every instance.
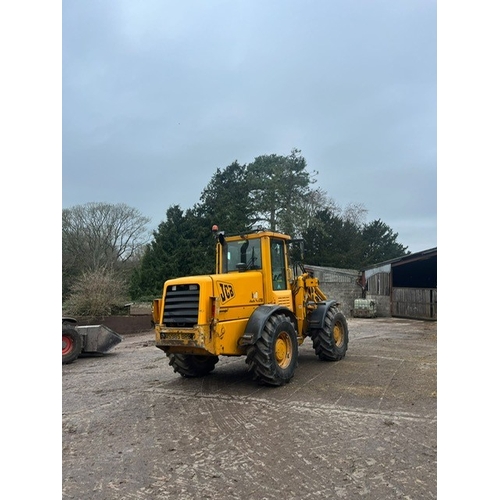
(405, 287)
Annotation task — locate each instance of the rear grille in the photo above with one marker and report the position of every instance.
(181, 305)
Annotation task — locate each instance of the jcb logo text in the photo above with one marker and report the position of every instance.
(226, 292)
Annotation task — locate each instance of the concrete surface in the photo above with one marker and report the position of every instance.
(364, 427)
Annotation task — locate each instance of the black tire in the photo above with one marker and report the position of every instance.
(330, 342)
(72, 344)
(274, 357)
(190, 365)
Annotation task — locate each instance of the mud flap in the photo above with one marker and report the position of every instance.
(98, 338)
(257, 320)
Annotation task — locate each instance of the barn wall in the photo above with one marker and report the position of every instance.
(407, 302)
(379, 284)
(338, 284)
(417, 303)
(383, 305)
(379, 290)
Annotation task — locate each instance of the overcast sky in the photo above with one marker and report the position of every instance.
(156, 95)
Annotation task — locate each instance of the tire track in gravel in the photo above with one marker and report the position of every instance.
(362, 428)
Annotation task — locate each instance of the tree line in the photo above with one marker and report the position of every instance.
(111, 244)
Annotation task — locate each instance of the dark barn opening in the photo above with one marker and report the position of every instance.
(414, 286)
(418, 274)
(406, 286)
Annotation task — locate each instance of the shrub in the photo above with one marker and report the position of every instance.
(96, 293)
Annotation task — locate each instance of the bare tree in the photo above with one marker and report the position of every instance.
(315, 201)
(355, 213)
(100, 235)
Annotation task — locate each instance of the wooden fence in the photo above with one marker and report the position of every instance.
(416, 303)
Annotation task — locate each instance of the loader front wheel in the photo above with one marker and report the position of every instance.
(191, 365)
(72, 344)
(330, 342)
(273, 358)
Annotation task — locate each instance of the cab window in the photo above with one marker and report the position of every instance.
(278, 264)
(242, 255)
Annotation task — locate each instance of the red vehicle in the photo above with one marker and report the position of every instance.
(95, 339)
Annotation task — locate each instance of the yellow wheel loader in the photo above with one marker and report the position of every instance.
(258, 304)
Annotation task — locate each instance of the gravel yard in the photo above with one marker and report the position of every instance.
(364, 427)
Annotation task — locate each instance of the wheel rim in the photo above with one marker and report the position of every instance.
(283, 350)
(338, 334)
(67, 344)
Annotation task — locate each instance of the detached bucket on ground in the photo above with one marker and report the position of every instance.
(98, 338)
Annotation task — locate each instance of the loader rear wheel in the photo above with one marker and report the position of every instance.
(190, 365)
(330, 342)
(273, 358)
(71, 344)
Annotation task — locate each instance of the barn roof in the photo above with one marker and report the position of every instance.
(416, 270)
(404, 259)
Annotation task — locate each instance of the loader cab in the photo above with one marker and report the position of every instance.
(263, 251)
